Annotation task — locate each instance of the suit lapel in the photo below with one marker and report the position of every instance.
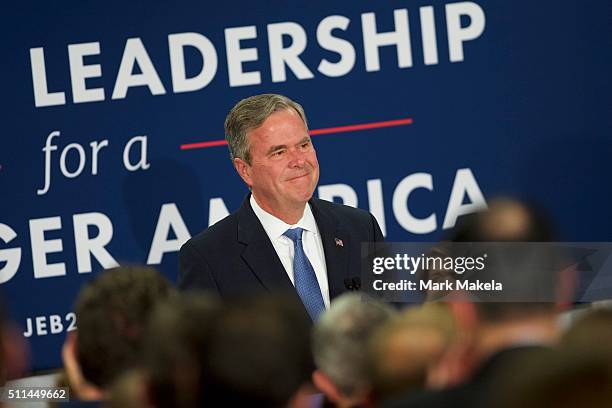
(336, 244)
(259, 254)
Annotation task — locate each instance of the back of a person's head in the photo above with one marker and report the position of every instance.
(510, 230)
(505, 220)
(341, 337)
(259, 353)
(562, 378)
(14, 352)
(403, 350)
(590, 331)
(112, 312)
(176, 349)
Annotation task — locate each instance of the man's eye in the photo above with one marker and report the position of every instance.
(305, 145)
(278, 153)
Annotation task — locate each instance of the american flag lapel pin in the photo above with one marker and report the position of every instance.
(339, 242)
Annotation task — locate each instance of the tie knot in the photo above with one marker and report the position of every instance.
(294, 234)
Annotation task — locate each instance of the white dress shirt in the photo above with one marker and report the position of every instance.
(311, 240)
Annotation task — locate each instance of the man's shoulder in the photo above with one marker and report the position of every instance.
(355, 222)
(217, 234)
(340, 210)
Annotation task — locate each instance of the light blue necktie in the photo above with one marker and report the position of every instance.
(304, 276)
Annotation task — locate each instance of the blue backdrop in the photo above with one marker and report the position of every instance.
(465, 100)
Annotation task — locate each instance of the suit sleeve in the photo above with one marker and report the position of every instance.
(194, 271)
(378, 235)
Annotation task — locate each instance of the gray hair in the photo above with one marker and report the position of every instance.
(341, 337)
(249, 114)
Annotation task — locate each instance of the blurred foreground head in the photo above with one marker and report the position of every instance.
(112, 312)
(495, 328)
(258, 353)
(505, 220)
(512, 233)
(563, 378)
(14, 351)
(408, 353)
(340, 343)
(577, 373)
(176, 349)
(591, 331)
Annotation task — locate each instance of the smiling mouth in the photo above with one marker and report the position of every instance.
(298, 177)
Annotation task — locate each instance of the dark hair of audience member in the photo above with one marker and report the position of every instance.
(14, 351)
(259, 353)
(112, 312)
(591, 331)
(505, 220)
(561, 378)
(176, 349)
(512, 221)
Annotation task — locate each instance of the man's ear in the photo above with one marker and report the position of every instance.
(15, 352)
(326, 386)
(80, 387)
(244, 171)
(70, 360)
(465, 315)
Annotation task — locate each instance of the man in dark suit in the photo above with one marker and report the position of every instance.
(281, 238)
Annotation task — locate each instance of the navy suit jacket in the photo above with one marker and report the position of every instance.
(235, 256)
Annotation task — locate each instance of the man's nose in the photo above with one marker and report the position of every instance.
(296, 158)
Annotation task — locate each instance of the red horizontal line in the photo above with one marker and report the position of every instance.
(363, 126)
(201, 145)
(314, 132)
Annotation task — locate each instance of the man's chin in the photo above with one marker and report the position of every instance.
(302, 198)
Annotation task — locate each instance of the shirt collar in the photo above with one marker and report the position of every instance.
(276, 227)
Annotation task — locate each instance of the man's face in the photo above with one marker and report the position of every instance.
(284, 170)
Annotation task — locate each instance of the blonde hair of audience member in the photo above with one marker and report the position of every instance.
(415, 351)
